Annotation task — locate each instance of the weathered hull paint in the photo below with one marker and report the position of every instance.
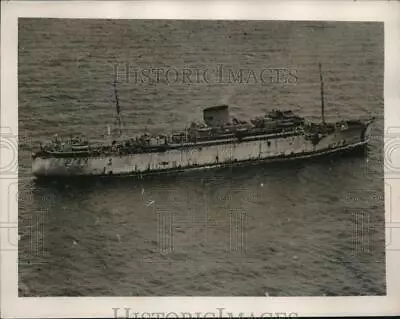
(195, 157)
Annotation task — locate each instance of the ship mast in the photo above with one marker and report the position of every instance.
(118, 109)
(322, 94)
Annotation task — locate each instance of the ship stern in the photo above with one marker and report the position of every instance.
(40, 165)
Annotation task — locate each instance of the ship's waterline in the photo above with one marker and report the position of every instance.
(200, 156)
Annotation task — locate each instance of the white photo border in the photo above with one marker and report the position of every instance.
(14, 307)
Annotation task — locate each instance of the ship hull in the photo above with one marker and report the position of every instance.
(247, 151)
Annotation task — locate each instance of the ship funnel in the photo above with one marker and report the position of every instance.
(216, 115)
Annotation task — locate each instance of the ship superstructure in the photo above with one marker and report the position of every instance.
(219, 141)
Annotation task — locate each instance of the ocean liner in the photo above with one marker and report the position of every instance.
(219, 141)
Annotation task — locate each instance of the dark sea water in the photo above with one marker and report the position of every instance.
(307, 228)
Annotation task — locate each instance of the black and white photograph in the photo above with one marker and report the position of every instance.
(199, 158)
(206, 107)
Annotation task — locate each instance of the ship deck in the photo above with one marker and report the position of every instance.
(123, 149)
